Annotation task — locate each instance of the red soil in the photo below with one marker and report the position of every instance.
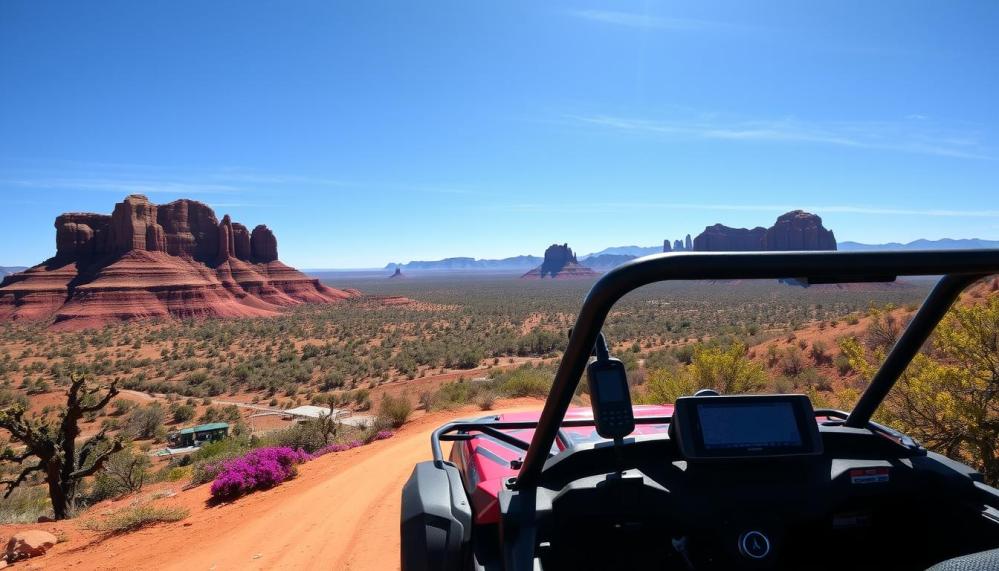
(341, 512)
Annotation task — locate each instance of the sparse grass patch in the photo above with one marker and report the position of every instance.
(134, 518)
(25, 505)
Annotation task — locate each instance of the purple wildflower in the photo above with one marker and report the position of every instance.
(259, 469)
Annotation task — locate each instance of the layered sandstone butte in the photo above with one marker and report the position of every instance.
(796, 230)
(799, 230)
(721, 238)
(560, 263)
(148, 260)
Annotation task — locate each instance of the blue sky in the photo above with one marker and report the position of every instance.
(368, 132)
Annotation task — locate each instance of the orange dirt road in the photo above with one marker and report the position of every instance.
(341, 512)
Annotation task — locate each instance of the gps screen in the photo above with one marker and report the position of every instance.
(748, 425)
(612, 386)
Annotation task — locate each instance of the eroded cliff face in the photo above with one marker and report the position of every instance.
(148, 260)
(721, 238)
(560, 262)
(799, 230)
(795, 230)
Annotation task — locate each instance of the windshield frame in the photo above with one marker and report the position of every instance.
(959, 268)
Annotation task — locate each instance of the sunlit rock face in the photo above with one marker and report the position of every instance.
(560, 262)
(796, 230)
(157, 261)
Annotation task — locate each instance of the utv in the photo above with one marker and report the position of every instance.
(713, 481)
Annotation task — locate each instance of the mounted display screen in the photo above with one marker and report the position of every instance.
(745, 426)
(612, 390)
(610, 399)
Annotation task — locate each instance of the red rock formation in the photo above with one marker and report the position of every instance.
(263, 245)
(241, 241)
(796, 230)
(721, 238)
(560, 263)
(191, 229)
(149, 261)
(134, 226)
(81, 234)
(799, 230)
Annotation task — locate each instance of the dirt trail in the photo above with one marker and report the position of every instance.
(342, 512)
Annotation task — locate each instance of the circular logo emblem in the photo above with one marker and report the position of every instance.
(754, 544)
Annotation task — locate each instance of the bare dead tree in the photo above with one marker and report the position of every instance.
(53, 443)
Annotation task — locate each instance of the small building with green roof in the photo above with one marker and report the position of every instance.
(198, 435)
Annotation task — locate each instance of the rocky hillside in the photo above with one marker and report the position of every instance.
(152, 261)
(560, 263)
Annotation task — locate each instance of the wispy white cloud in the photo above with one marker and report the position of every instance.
(162, 180)
(647, 21)
(126, 185)
(605, 207)
(879, 135)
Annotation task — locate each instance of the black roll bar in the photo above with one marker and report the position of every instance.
(912, 339)
(961, 267)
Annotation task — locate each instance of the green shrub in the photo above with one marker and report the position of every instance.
(842, 364)
(145, 421)
(725, 369)
(123, 473)
(525, 381)
(121, 407)
(10, 398)
(305, 435)
(664, 386)
(220, 449)
(792, 364)
(183, 413)
(486, 400)
(449, 395)
(394, 411)
(177, 474)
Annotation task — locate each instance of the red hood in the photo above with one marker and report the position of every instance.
(486, 461)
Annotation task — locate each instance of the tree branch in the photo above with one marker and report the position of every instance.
(10, 456)
(112, 392)
(116, 446)
(90, 445)
(12, 419)
(12, 484)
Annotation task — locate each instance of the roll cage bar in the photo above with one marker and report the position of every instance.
(959, 269)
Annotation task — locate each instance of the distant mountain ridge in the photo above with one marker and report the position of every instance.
(922, 244)
(7, 270)
(465, 263)
(633, 251)
(614, 256)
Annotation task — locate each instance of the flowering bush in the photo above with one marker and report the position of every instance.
(383, 434)
(259, 469)
(266, 467)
